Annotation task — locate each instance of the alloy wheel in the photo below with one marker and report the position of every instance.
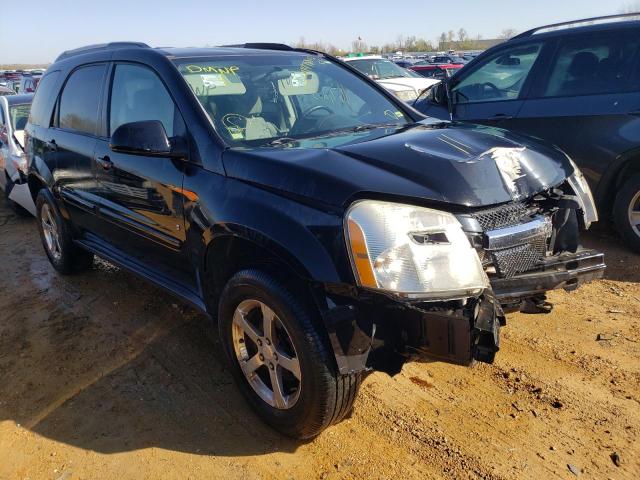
(50, 229)
(266, 355)
(634, 213)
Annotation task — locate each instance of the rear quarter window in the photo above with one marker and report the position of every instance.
(80, 100)
(44, 99)
(593, 65)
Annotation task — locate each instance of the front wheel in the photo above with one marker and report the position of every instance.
(58, 244)
(280, 358)
(626, 212)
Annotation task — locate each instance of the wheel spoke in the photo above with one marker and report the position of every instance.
(289, 363)
(268, 323)
(276, 385)
(251, 365)
(241, 320)
(634, 217)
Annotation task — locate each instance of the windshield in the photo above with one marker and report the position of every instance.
(379, 69)
(19, 115)
(257, 100)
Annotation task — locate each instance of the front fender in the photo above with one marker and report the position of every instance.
(310, 241)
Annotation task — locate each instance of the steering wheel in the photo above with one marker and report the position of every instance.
(306, 113)
(492, 87)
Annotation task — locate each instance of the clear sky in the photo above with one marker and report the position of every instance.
(44, 28)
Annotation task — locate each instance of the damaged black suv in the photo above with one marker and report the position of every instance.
(328, 227)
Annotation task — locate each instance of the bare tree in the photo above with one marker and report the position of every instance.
(462, 35)
(508, 33)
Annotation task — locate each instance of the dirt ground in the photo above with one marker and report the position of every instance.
(103, 376)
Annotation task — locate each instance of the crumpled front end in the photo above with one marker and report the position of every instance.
(526, 248)
(530, 247)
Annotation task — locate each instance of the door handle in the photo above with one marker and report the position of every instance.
(52, 146)
(104, 162)
(501, 116)
(635, 113)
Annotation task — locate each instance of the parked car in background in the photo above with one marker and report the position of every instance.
(404, 63)
(28, 83)
(403, 83)
(575, 85)
(446, 59)
(325, 224)
(437, 72)
(6, 91)
(14, 112)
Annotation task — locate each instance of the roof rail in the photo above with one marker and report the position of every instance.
(99, 47)
(262, 46)
(528, 33)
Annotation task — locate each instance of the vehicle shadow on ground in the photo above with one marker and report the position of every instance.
(174, 395)
(106, 362)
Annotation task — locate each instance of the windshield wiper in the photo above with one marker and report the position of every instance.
(358, 128)
(280, 141)
(372, 126)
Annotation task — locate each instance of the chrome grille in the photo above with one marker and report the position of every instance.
(521, 258)
(515, 238)
(503, 216)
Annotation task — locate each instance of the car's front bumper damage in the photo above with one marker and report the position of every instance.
(370, 330)
(567, 271)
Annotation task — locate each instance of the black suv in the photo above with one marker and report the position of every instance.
(575, 85)
(327, 226)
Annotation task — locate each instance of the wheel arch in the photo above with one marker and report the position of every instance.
(623, 167)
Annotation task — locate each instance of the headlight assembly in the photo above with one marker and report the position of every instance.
(412, 252)
(406, 95)
(581, 188)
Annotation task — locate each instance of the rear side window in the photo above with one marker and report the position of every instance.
(80, 100)
(593, 65)
(138, 94)
(43, 101)
(500, 78)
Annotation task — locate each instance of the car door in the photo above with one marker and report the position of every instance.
(72, 142)
(587, 102)
(492, 91)
(140, 205)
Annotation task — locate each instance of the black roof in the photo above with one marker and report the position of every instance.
(609, 22)
(227, 50)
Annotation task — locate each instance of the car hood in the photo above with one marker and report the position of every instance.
(459, 164)
(406, 83)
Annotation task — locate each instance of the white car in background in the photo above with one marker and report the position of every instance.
(14, 113)
(403, 83)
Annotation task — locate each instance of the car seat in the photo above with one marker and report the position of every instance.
(583, 71)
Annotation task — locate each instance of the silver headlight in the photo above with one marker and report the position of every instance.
(406, 95)
(412, 252)
(581, 188)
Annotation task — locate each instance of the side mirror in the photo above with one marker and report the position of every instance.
(147, 137)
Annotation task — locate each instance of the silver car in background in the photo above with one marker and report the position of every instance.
(14, 113)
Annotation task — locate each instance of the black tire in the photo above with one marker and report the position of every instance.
(628, 194)
(325, 396)
(17, 209)
(68, 258)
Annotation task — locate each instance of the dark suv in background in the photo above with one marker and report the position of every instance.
(326, 225)
(575, 85)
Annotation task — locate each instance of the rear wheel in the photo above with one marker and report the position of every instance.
(627, 212)
(280, 357)
(58, 244)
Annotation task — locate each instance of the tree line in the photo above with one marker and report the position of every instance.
(459, 40)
